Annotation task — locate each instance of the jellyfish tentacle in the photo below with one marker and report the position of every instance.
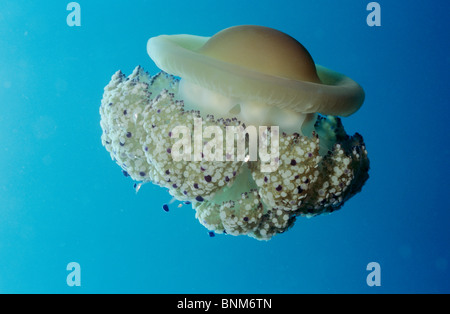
(342, 172)
(297, 171)
(138, 116)
(123, 99)
(235, 217)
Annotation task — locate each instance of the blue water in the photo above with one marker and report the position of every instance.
(63, 200)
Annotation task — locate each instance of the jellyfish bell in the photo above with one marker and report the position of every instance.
(256, 74)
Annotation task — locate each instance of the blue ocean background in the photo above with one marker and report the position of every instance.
(63, 200)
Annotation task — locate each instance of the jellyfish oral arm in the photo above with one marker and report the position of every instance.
(250, 112)
(196, 97)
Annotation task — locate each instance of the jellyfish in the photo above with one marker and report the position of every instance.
(242, 76)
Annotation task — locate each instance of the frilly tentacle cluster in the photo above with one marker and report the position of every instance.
(315, 174)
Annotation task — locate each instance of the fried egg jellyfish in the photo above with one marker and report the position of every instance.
(243, 75)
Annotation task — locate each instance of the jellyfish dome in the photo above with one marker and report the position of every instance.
(243, 125)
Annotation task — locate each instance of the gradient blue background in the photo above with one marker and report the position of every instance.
(63, 200)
